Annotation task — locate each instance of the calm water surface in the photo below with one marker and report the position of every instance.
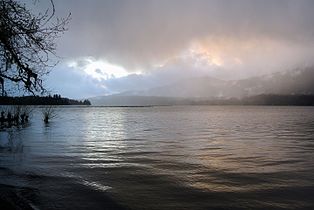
(179, 157)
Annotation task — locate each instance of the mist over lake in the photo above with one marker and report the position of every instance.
(162, 157)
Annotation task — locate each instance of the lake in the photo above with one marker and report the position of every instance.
(167, 157)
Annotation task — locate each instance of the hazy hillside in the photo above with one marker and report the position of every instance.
(121, 100)
(202, 89)
(291, 82)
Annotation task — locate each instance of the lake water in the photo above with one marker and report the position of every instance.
(176, 157)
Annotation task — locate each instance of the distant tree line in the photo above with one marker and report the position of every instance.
(41, 100)
(273, 99)
(263, 99)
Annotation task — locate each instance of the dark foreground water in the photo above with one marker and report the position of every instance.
(193, 157)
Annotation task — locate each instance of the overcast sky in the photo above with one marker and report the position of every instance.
(119, 45)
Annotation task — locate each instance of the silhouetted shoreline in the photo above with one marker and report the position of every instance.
(266, 99)
(41, 100)
(146, 101)
(13, 197)
(9, 198)
(39, 193)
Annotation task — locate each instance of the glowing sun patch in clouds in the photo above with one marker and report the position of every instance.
(243, 54)
(99, 69)
(205, 56)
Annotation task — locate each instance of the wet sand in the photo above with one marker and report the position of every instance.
(54, 193)
(11, 198)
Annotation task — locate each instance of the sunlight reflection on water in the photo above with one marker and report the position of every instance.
(181, 157)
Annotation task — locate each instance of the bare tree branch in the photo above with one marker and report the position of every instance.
(27, 42)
